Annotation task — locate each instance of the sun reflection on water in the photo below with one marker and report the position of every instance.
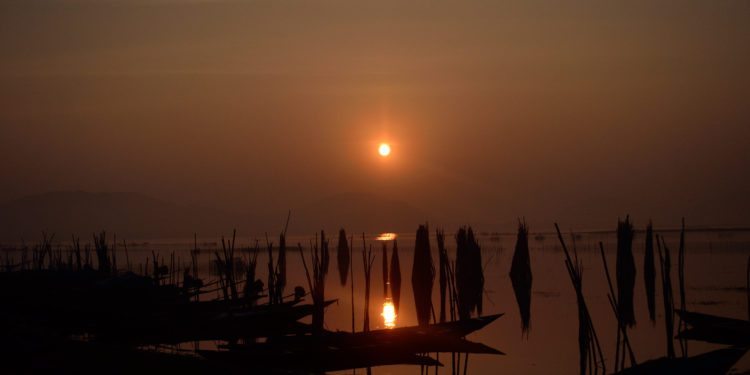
(389, 314)
(386, 237)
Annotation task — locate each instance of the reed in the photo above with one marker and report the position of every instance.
(229, 266)
(76, 249)
(444, 270)
(325, 254)
(220, 265)
(385, 270)
(280, 270)
(86, 255)
(625, 272)
(395, 277)
(591, 358)
(455, 357)
(469, 273)
(253, 287)
(668, 299)
(649, 273)
(351, 270)
(102, 252)
(682, 326)
(318, 256)
(423, 276)
(114, 255)
(320, 271)
(127, 256)
(367, 261)
(44, 251)
(271, 273)
(622, 342)
(342, 256)
(521, 277)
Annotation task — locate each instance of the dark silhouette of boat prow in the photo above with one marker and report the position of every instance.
(334, 351)
(715, 329)
(715, 362)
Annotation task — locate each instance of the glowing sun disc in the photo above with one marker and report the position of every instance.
(384, 149)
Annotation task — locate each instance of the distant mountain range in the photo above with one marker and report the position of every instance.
(138, 216)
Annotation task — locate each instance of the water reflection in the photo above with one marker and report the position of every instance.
(386, 237)
(389, 314)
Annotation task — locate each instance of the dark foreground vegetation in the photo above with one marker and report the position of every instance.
(77, 310)
(89, 309)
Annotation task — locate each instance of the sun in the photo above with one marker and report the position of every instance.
(384, 149)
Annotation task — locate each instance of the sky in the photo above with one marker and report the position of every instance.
(577, 112)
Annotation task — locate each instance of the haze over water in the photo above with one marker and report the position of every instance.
(577, 112)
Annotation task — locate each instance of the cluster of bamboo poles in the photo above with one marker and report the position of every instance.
(521, 277)
(320, 260)
(591, 358)
(102, 254)
(461, 283)
(44, 256)
(99, 255)
(458, 300)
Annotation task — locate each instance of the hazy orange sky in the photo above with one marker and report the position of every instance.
(570, 111)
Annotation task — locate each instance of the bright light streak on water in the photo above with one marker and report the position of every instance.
(386, 237)
(389, 314)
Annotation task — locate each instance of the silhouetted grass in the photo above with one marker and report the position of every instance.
(385, 270)
(423, 275)
(649, 272)
(622, 342)
(469, 273)
(666, 283)
(625, 272)
(521, 277)
(342, 256)
(395, 276)
(367, 260)
(444, 270)
(590, 356)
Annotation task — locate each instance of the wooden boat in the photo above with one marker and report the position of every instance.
(458, 328)
(342, 350)
(317, 361)
(431, 335)
(715, 362)
(715, 329)
(268, 321)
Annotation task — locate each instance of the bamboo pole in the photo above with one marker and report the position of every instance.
(621, 329)
(367, 260)
(664, 260)
(351, 270)
(681, 273)
(588, 339)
